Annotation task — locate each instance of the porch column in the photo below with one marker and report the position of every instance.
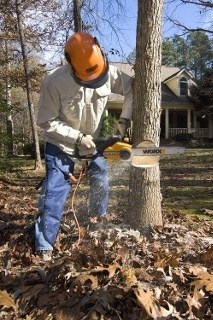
(194, 121)
(210, 123)
(189, 121)
(194, 124)
(166, 123)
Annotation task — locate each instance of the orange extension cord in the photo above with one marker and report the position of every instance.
(78, 181)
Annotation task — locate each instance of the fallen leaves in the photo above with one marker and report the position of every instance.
(204, 281)
(151, 305)
(114, 274)
(6, 300)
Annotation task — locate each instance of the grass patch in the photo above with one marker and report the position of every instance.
(9, 165)
(187, 181)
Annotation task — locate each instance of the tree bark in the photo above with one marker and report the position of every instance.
(144, 193)
(9, 120)
(77, 15)
(38, 163)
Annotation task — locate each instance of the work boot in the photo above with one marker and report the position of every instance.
(45, 255)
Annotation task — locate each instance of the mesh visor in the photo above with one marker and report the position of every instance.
(95, 83)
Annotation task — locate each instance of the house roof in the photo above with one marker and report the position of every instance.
(167, 73)
(168, 96)
(175, 74)
(125, 67)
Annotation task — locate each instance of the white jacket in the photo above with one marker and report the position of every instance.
(66, 108)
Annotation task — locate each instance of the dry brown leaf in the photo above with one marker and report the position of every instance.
(84, 280)
(207, 256)
(205, 279)
(129, 277)
(111, 269)
(149, 303)
(6, 300)
(168, 259)
(29, 292)
(142, 274)
(195, 270)
(192, 302)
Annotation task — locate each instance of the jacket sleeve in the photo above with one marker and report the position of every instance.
(48, 115)
(121, 83)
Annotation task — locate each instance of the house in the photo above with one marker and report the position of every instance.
(178, 112)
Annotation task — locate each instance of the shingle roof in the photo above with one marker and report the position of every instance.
(166, 72)
(168, 95)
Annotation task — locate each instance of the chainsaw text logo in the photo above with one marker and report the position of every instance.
(152, 151)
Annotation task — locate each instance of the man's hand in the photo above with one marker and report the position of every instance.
(86, 146)
(87, 141)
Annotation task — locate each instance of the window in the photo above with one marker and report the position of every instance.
(183, 87)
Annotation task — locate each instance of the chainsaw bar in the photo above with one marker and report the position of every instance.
(146, 154)
(150, 151)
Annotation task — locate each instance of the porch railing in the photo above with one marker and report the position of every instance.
(197, 133)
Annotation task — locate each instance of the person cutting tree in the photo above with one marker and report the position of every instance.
(72, 102)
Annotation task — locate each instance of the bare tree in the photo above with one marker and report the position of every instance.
(145, 194)
(9, 121)
(77, 15)
(203, 7)
(38, 163)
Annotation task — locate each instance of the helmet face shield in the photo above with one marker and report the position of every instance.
(93, 84)
(88, 62)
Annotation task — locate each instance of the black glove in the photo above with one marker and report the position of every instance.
(123, 125)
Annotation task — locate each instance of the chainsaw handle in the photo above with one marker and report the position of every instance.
(103, 143)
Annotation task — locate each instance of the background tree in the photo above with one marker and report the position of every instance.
(200, 49)
(195, 52)
(202, 94)
(77, 4)
(203, 7)
(19, 43)
(20, 25)
(145, 194)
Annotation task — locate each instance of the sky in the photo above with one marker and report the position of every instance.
(187, 14)
(123, 39)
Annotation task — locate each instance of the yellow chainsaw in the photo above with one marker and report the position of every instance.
(145, 154)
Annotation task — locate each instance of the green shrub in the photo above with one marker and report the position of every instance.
(108, 126)
(29, 149)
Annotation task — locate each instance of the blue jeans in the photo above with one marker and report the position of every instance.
(56, 188)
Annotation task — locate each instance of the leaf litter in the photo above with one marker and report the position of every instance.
(113, 273)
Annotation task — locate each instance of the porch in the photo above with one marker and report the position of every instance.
(197, 133)
(179, 121)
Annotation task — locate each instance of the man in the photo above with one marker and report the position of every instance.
(72, 103)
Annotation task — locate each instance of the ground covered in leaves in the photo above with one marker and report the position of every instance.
(110, 271)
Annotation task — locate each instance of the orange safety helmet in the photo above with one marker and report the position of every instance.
(89, 63)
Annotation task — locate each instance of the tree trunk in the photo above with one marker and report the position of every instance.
(77, 15)
(38, 163)
(144, 194)
(9, 120)
(10, 132)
